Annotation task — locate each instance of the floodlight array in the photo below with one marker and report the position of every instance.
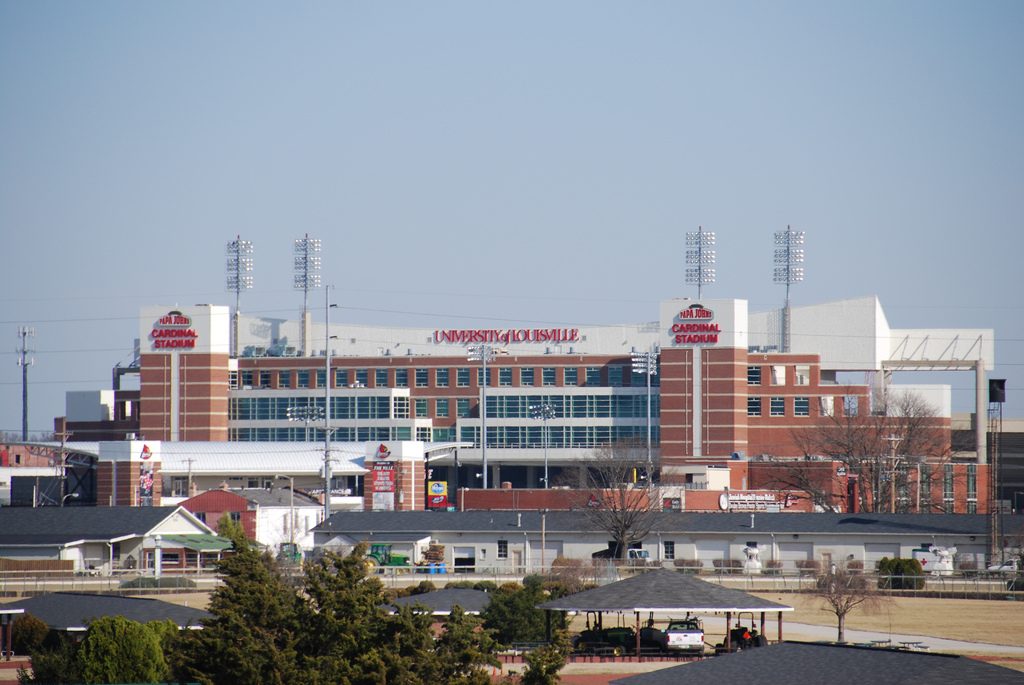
(239, 265)
(701, 258)
(645, 362)
(307, 263)
(788, 257)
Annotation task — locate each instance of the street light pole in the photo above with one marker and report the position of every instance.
(291, 509)
(327, 403)
(483, 354)
(647, 364)
(544, 412)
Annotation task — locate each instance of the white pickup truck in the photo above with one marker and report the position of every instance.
(685, 635)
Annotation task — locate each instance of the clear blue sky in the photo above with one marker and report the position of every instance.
(502, 162)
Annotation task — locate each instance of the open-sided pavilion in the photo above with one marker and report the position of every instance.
(668, 592)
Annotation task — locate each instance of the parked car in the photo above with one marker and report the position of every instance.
(1008, 567)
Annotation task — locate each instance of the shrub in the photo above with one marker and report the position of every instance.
(808, 567)
(900, 574)
(968, 567)
(728, 565)
(773, 567)
(150, 583)
(854, 566)
(688, 565)
(28, 633)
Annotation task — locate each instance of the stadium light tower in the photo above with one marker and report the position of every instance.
(700, 258)
(789, 255)
(239, 271)
(307, 277)
(647, 364)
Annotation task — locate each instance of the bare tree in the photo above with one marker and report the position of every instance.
(841, 592)
(619, 503)
(881, 448)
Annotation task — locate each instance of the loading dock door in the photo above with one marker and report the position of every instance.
(874, 551)
(710, 550)
(464, 559)
(792, 552)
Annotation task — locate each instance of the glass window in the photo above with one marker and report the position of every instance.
(401, 378)
(284, 379)
(801, 406)
(441, 376)
(778, 374)
(505, 375)
(233, 380)
(753, 375)
(803, 375)
(670, 549)
(571, 375)
(503, 549)
(972, 481)
(462, 377)
(423, 433)
(480, 376)
(302, 379)
(615, 376)
(547, 375)
(753, 406)
(264, 379)
(441, 408)
(851, 405)
(247, 379)
(362, 378)
(421, 407)
(778, 406)
(321, 378)
(380, 378)
(593, 376)
(462, 407)
(340, 378)
(526, 376)
(401, 407)
(422, 378)
(825, 407)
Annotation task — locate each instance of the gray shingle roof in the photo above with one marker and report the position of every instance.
(663, 591)
(64, 610)
(370, 522)
(57, 525)
(790, 662)
(442, 601)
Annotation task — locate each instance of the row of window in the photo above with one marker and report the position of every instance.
(608, 376)
(559, 436)
(801, 406)
(382, 407)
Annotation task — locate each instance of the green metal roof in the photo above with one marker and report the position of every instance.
(199, 543)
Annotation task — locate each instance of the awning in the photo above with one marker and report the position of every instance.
(197, 543)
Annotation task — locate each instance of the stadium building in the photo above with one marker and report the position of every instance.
(721, 390)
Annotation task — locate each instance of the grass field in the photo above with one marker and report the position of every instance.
(977, 620)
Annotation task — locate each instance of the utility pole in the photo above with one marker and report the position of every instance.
(62, 465)
(24, 361)
(893, 441)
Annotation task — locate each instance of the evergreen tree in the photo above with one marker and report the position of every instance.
(512, 614)
(53, 662)
(465, 649)
(251, 638)
(408, 643)
(118, 650)
(544, 663)
(28, 633)
(342, 617)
